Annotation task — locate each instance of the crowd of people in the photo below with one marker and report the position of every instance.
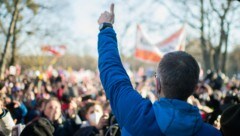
(71, 101)
(74, 105)
(59, 102)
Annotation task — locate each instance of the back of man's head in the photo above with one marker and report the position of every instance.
(179, 73)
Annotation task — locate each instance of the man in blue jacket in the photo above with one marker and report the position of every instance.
(177, 77)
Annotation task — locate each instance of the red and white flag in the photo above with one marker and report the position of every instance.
(175, 42)
(154, 52)
(55, 50)
(145, 50)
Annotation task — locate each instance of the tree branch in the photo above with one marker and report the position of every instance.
(7, 5)
(3, 29)
(214, 8)
(190, 11)
(227, 8)
(179, 18)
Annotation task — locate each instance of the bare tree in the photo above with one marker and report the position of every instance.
(9, 35)
(214, 22)
(13, 8)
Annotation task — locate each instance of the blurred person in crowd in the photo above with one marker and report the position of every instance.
(229, 100)
(17, 93)
(214, 103)
(45, 92)
(38, 127)
(230, 121)
(176, 79)
(6, 121)
(31, 104)
(63, 127)
(18, 110)
(145, 89)
(60, 90)
(210, 100)
(66, 99)
(101, 97)
(37, 111)
(215, 80)
(73, 89)
(96, 120)
(204, 110)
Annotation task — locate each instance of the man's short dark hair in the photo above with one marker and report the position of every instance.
(179, 73)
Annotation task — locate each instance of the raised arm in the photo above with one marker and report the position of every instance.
(127, 105)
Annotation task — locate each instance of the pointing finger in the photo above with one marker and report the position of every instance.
(112, 9)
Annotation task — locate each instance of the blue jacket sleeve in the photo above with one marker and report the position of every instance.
(126, 103)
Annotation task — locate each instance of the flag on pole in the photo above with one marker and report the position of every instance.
(145, 50)
(55, 50)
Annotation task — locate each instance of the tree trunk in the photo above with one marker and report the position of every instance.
(3, 60)
(14, 44)
(218, 49)
(216, 56)
(224, 59)
(205, 50)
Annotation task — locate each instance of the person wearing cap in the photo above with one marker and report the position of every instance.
(230, 121)
(176, 79)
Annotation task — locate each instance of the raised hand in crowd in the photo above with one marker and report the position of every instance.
(103, 121)
(107, 17)
(72, 110)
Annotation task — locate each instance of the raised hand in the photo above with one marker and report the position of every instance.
(16, 104)
(107, 17)
(72, 109)
(103, 121)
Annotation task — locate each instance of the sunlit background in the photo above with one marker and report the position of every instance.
(74, 24)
